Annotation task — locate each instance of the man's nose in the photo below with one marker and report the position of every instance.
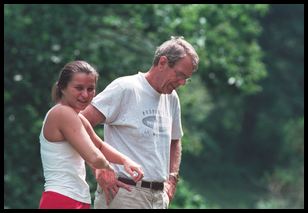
(182, 82)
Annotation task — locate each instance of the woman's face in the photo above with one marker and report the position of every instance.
(79, 91)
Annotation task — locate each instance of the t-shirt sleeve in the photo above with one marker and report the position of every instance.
(177, 131)
(108, 102)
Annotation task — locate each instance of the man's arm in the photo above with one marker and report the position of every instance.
(175, 156)
(175, 161)
(93, 115)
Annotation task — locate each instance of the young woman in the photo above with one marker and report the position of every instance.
(67, 141)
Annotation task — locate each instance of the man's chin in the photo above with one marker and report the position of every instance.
(169, 91)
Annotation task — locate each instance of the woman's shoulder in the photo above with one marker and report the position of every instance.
(58, 116)
(61, 111)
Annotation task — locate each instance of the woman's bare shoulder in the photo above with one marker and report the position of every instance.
(62, 113)
(58, 116)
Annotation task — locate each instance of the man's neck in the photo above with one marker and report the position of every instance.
(151, 77)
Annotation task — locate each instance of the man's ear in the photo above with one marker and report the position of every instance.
(163, 60)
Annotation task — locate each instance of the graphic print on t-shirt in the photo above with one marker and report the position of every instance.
(158, 123)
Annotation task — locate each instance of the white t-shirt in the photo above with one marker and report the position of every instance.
(64, 169)
(140, 123)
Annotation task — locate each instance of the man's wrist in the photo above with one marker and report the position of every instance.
(174, 176)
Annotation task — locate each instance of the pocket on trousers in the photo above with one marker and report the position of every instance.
(99, 201)
(116, 201)
(166, 200)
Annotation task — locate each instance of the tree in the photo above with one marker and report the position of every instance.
(120, 40)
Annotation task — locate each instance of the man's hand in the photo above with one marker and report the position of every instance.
(107, 180)
(170, 187)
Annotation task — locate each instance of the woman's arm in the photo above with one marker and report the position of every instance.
(72, 129)
(111, 153)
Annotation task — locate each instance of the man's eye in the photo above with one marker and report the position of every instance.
(181, 76)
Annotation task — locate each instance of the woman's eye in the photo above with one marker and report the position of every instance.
(79, 88)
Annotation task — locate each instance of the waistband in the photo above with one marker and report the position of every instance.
(145, 184)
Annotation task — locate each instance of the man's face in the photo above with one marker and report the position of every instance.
(175, 76)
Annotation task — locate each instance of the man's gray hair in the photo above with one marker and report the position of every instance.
(175, 49)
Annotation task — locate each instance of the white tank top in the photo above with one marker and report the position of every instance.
(64, 169)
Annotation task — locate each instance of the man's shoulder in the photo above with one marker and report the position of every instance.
(125, 78)
(127, 82)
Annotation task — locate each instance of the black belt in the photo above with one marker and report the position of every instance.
(145, 184)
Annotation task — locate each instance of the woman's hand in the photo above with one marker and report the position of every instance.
(133, 169)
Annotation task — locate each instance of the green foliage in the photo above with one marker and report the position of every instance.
(187, 198)
(286, 183)
(244, 105)
(198, 100)
(225, 36)
(223, 184)
(282, 97)
(293, 143)
(285, 188)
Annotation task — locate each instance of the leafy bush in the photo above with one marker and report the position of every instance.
(286, 182)
(187, 198)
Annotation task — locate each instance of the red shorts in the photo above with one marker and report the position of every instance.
(54, 200)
